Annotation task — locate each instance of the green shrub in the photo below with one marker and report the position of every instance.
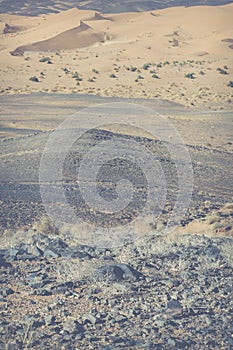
(230, 84)
(146, 66)
(112, 76)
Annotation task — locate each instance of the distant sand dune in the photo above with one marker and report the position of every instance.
(79, 37)
(182, 54)
(12, 29)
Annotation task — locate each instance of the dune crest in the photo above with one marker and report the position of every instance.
(79, 37)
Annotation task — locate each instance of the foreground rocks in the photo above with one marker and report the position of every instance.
(159, 293)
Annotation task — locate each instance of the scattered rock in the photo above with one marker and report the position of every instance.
(118, 272)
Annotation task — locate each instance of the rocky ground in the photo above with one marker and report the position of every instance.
(158, 292)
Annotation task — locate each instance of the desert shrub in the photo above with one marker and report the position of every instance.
(112, 75)
(95, 71)
(212, 219)
(45, 59)
(46, 226)
(146, 66)
(230, 84)
(77, 77)
(222, 71)
(66, 70)
(133, 69)
(140, 77)
(34, 79)
(201, 72)
(190, 76)
(155, 76)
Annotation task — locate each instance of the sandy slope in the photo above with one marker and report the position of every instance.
(175, 41)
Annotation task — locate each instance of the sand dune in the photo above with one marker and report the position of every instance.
(81, 36)
(178, 54)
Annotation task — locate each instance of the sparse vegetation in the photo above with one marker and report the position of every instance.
(45, 59)
(34, 79)
(146, 66)
(77, 77)
(230, 84)
(92, 80)
(95, 71)
(65, 70)
(190, 76)
(155, 76)
(222, 71)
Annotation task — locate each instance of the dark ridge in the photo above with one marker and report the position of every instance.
(39, 7)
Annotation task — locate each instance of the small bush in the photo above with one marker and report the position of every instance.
(230, 84)
(146, 66)
(95, 71)
(201, 72)
(190, 76)
(66, 70)
(140, 77)
(44, 59)
(34, 79)
(155, 76)
(133, 69)
(112, 76)
(222, 71)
